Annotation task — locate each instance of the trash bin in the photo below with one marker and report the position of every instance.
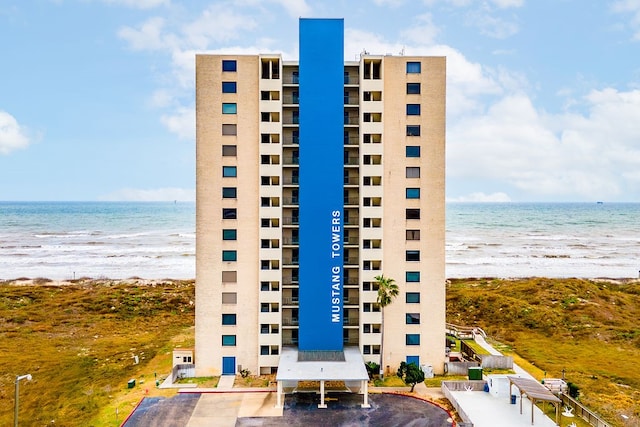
(475, 373)
(131, 383)
(513, 399)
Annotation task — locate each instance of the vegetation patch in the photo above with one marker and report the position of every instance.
(584, 330)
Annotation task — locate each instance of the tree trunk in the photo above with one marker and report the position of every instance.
(382, 344)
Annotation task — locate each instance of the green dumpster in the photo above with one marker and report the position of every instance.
(131, 383)
(475, 373)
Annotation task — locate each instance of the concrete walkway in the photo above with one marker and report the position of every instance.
(226, 382)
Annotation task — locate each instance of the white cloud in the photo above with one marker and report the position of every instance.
(12, 135)
(423, 33)
(182, 122)
(153, 195)
(491, 25)
(590, 156)
(295, 8)
(148, 36)
(632, 7)
(218, 23)
(482, 198)
(139, 4)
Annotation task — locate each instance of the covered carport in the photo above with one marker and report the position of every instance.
(348, 367)
(535, 392)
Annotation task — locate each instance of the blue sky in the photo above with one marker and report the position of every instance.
(543, 96)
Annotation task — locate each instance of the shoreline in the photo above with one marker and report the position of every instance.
(139, 281)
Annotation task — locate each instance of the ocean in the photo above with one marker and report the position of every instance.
(67, 240)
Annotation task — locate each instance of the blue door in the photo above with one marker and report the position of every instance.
(228, 366)
(413, 359)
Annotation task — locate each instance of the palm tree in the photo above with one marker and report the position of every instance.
(387, 292)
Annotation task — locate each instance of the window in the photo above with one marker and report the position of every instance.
(413, 214)
(229, 213)
(412, 339)
(413, 88)
(229, 65)
(412, 255)
(413, 193)
(229, 340)
(229, 87)
(412, 297)
(264, 350)
(413, 318)
(229, 171)
(229, 192)
(412, 109)
(413, 130)
(229, 150)
(229, 298)
(413, 235)
(229, 255)
(413, 172)
(229, 276)
(230, 234)
(229, 129)
(231, 108)
(413, 67)
(412, 151)
(228, 319)
(412, 276)
(371, 307)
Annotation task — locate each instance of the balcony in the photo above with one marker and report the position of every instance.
(351, 120)
(291, 140)
(291, 261)
(291, 79)
(291, 161)
(291, 100)
(290, 220)
(291, 241)
(289, 321)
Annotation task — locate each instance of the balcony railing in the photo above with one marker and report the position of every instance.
(291, 79)
(352, 140)
(291, 120)
(289, 321)
(290, 241)
(352, 161)
(290, 220)
(291, 99)
(291, 160)
(351, 120)
(291, 140)
(290, 300)
(290, 261)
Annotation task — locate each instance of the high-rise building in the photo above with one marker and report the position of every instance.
(314, 177)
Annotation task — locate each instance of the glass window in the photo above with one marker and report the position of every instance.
(413, 318)
(413, 172)
(229, 192)
(228, 340)
(229, 298)
(412, 339)
(412, 151)
(228, 319)
(229, 65)
(229, 255)
(229, 129)
(412, 276)
(413, 235)
(412, 255)
(230, 108)
(413, 214)
(229, 276)
(413, 193)
(229, 213)
(230, 234)
(229, 87)
(229, 150)
(413, 67)
(412, 297)
(413, 88)
(229, 171)
(264, 350)
(413, 130)
(412, 109)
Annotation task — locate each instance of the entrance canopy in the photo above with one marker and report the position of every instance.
(351, 368)
(348, 366)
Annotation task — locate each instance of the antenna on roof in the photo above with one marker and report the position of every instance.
(402, 51)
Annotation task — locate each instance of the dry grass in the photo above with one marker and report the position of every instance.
(78, 342)
(589, 329)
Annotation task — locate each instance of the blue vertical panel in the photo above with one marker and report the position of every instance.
(321, 183)
(228, 366)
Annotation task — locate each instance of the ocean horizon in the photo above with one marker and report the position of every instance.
(156, 240)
